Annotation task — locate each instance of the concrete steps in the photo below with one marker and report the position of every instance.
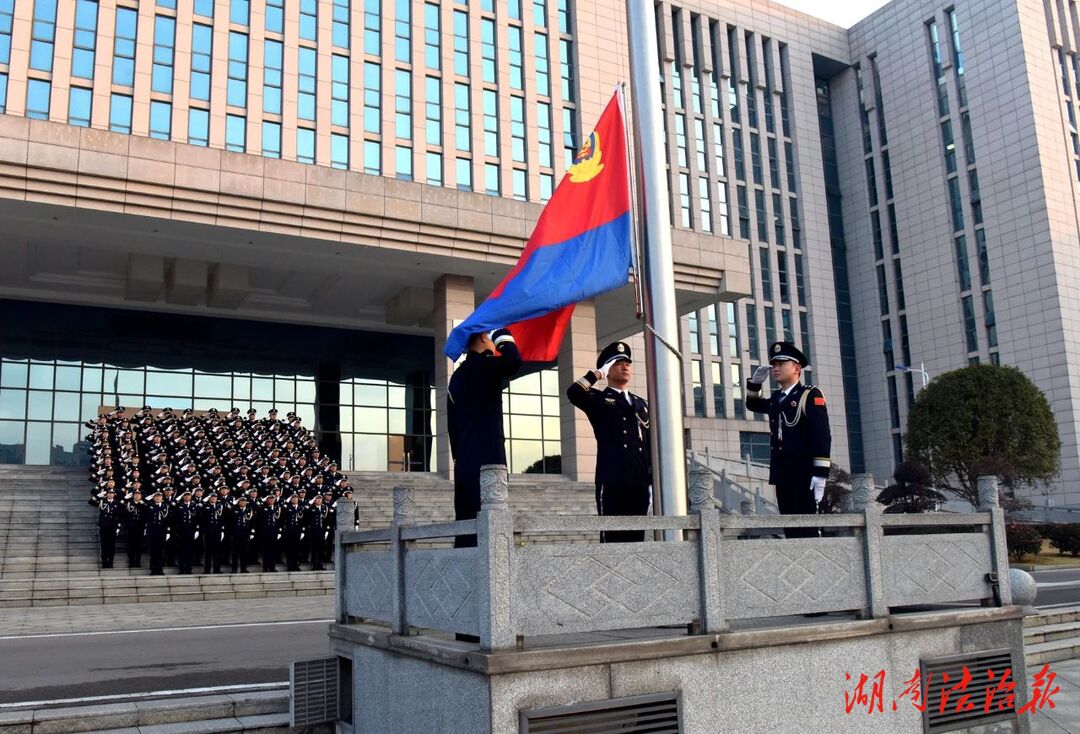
(256, 712)
(1052, 636)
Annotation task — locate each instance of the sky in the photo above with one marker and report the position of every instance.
(843, 12)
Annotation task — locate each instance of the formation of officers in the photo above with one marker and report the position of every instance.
(219, 489)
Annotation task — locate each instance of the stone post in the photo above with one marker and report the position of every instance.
(495, 546)
(710, 538)
(404, 511)
(864, 500)
(999, 551)
(345, 524)
(577, 355)
(455, 299)
(746, 507)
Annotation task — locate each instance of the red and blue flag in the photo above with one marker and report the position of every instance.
(580, 248)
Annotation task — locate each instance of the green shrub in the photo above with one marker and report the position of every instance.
(1022, 540)
(1063, 537)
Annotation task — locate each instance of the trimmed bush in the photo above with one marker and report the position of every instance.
(1063, 537)
(1023, 540)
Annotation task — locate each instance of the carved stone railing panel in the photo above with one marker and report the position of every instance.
(921, 569)
(768, 578)
(369, 590)
(441, 589)
(598, 587)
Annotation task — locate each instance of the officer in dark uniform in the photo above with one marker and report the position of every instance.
(135, 521)
(620, 421)
(243, 523)
(109, 517)
(187, 527)
(212, 524)
(269, 527)
(318, 516)
(157, 531)
(294, 522)
(801, 441)
(474, 410)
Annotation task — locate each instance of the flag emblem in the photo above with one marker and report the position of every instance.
(587, 163)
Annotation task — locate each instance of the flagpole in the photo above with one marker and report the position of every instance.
(635, 232)
(658, 273)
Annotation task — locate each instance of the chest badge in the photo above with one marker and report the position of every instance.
(609, 401)
(793, 403)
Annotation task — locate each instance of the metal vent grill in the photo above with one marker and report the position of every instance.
(314, 686)
(650, 714)
(979, 666)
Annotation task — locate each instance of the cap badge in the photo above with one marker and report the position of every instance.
(621, 348)
(776, 348)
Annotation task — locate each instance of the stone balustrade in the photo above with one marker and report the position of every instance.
(720, 572)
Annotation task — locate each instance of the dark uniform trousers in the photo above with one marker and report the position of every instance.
(623, 458)
(292, 535)
(136, 531)
(157, 527)
(316, 535)
(269, 524)
(187, 524)
(474, 410)
(241, 536)
(213, 518)
(799, 447)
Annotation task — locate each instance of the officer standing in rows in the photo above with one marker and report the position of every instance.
(135, 521)
(212, 527)
(293, 518)
(242, 526)
(186, 529)
(109, 518)
(157, 531)
(475, 417)
(800, 438)
(620, 421)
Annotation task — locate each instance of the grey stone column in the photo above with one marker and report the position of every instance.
(746, 507)
(404, 510)
(864, 500)
(345, 524)
(576, 357)
(455, 299)
(495, 546)
(710, 538)
(999, 551)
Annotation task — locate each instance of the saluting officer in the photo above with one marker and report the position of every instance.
(620, 421)
(212, 522)
(801, 441)
(294, 523)
(157, 531)
(243, 524)
(135, 520)
(474, 410)
(109, 517)
(187, 529)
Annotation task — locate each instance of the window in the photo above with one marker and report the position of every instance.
(202, 44)
(540, 13)
(705, 205)
(309, 20)
(204, 8)
(950, 146)
(894, 234)
(307, 84)
(755, 446)
(403, 30)
(694, 328)
(566, 70)
(305, 145)
(160, 119)
(161, 78)
(273, 59)
(516, 76)
(984, 256)
(519, 184)
(434, 169)
(238, 58)
(755, 157)
(239, 10)
(800, 280)
(373, 158)
(737, 391)
(759, 211)
(432, 42)
(570, 135)
(372, 97)
(487, 50)
(887, 345)
(433, 111)
(339, 151)
(198, 127)
(275, 16)
(271, 139)
(120, 113)
(894, 403)
(684, 199)
(514, 9)
(737, 154)
(372, 29)
(989, 319)
(970, 333)
(732, 330)
(339, 29)
(517, 129)
(976, 197)
(722, 208)
(492, 185)
(403, 104)
(752, 345)
(804, 330)
(80, 101)
(969, 144)
(461, 43)
(680, 140)
(871, 182)
(766, 274)
(744, 213)
(124, 48)
(464, 174)
(543, 68)
(785, 322)
(339, 90)
(714, 332)
(7, 14)
(462, 134)
(696, 379)
(782, 276)
(962, 270)
(956, 205)
(85, 41)
(42, 34)
(37, 100)
(718, 389)
(883, 290)
(235, 133)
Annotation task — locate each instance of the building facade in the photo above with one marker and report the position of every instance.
(291, 202)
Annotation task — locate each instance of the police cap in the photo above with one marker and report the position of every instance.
(614, 351)
(786, 351)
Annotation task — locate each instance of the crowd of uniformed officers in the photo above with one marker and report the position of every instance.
(215, 489)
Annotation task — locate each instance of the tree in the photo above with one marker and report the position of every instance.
(912, 491)
(983, 418)
(837, 488)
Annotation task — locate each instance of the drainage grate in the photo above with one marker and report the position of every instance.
(979, 666)
(649, 714)
(314, 686)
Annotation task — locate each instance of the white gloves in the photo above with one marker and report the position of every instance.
(761, 374)
(817, 486)
(607, 366)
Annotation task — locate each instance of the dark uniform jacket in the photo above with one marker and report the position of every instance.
(623, 455)
(474, 407)
(157, 520)
(110, 514)
(800, 442)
